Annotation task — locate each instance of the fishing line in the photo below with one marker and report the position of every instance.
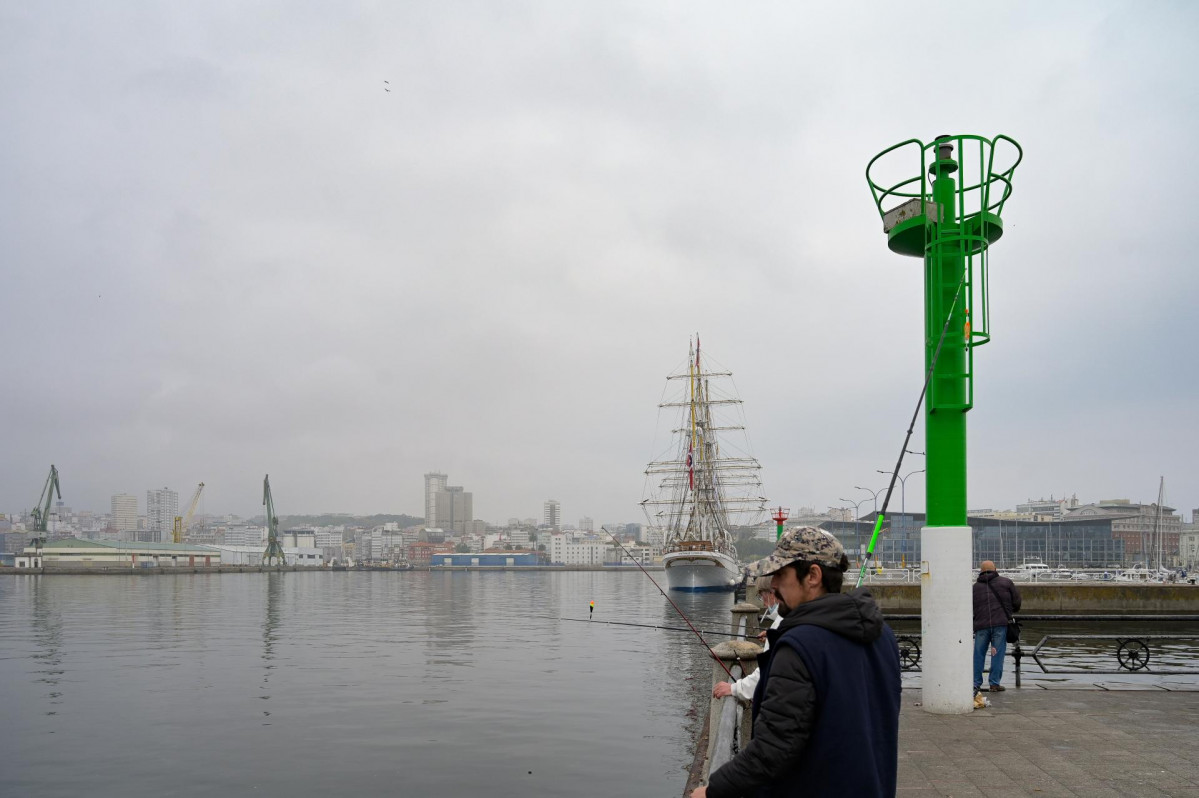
(878, 522)
(682, 614)
(644, 626)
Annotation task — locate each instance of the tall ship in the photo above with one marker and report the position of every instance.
(706, 483)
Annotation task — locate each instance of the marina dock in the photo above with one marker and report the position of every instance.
(1059, 742)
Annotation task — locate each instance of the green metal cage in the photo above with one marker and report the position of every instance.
(948, 232)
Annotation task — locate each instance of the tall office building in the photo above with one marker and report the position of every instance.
(434, 484)
(124, 512)
(552, 516)
(161, 508)
(452, 509)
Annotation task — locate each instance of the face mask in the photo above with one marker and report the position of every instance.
(771, 613)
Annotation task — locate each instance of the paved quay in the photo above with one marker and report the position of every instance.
(1054, 742)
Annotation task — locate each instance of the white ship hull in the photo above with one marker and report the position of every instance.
(700, 570)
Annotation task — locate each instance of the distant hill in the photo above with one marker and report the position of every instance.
(337, 519)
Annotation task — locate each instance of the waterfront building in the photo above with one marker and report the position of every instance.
(13, 542)
(1188, 548)
(552, 514)
(124, 513)
(421, 553)
(329, 536)
(298, 539)
(384, 545)
(1188, 542)
(807, 516)
(835, 514)
(631, 554)
(330, 540)
(1137, 525)
(76, 553)
(570, 549)
(161, 508)
(204, 534)
(252, 555)
(1046, 509)
(1084, 542)
(245, 535)
(452, 508)
(434, 484)
(484, 559)
(654, 536)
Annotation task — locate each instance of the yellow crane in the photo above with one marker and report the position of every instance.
(184, 522)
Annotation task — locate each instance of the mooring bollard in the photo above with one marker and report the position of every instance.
(750, 613)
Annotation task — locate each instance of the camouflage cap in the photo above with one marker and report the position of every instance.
(801, 544)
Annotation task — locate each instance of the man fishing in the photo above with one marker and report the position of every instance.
(743, 688)
(826, 709)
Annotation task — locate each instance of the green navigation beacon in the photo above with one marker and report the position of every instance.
(943, 202)
(780, 517)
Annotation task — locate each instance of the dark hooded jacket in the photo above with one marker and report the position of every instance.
(826, 711)
(994, 607)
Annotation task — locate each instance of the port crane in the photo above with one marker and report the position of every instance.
(183, 522)
(41, 513)
(273, 549)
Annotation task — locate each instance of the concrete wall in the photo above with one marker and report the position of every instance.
(1054, 598)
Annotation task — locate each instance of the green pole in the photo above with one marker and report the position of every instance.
(945, 412)
(949, 224)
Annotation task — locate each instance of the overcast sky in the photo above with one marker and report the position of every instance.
(226, 251)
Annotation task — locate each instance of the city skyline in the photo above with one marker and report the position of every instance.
(232, 253)
(125, 511)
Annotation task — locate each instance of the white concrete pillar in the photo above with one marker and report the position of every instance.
(946, 619)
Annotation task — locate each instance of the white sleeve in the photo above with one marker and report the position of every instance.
(743, 689)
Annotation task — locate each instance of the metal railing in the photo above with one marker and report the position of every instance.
(1144, 653)
(724, 743)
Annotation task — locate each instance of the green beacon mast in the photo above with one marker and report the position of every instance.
(948, 213)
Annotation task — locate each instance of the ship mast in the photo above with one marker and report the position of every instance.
(691, 504)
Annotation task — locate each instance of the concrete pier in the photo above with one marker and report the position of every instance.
(1090, 743)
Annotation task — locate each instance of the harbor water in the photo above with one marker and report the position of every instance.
(396, 683)
(409, 683)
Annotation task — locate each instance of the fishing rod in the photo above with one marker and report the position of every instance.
(682, 614)
(878, 522)
(651, 626)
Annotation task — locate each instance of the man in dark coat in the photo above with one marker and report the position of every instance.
(996, 599)
(826, 709)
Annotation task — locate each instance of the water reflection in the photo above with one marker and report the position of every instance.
(48, 638)
(688, 682)
(450, 610)
(270, 633)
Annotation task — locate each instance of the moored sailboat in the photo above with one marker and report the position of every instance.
(698, 493)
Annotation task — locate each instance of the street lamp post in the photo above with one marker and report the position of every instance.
(855, 521)
(873, 494)
(902, 488)
(855, 507)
